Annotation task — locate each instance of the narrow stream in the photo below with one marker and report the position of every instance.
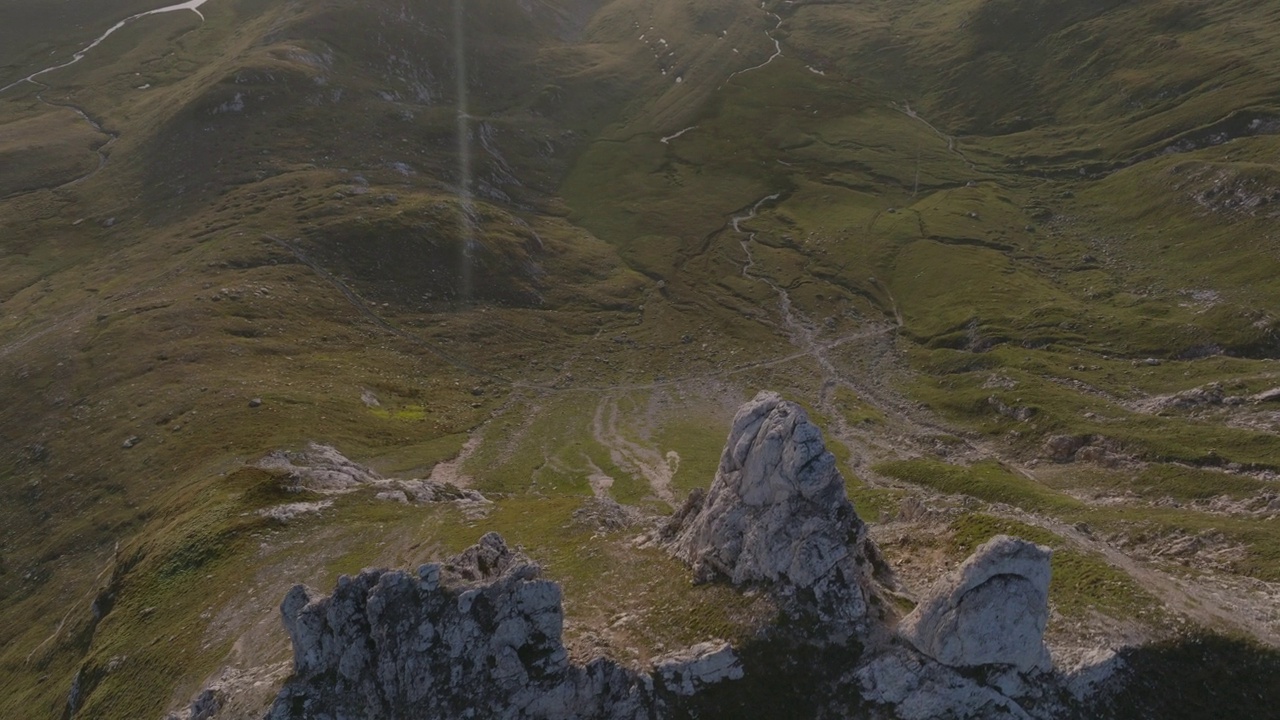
(777, 48)
(103, 156)
(192, 5)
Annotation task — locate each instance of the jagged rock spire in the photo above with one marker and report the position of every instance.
(777, 514)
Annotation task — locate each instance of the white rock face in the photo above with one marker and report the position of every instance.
(686, 671)
(1094, 673)
(477, 636)
(777, 513)
(919, 689)
(320, 468)
(992, 610)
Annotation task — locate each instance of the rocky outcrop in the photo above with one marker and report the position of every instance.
(321, 469)
(605, 515)
(913, 687)
(777, 514)
(477, 636)
(480, 635)
(992, 610)
(687, 671)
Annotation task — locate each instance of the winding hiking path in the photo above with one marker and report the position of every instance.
(869, 370)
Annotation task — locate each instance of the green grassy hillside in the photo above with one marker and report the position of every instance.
(1017, 257)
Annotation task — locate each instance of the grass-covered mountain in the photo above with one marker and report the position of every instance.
(1018, 257)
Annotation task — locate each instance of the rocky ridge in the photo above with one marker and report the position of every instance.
(476, 636)
(480, 635)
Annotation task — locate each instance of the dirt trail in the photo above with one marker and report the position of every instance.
(599, 480)
(450, 471)
(192, 5)
(640, 461)
(871, 365)
(869, 370)
(103, 155)
(1184, 597)
(1207, 606)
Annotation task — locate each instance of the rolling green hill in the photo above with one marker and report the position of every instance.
(1019, 258)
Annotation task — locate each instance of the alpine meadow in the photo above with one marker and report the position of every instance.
(638, 359)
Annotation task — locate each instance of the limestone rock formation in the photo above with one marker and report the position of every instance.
(777, 514)
(322, 469)
(685, 672)
(917, 688)
(992, 610)
(478, 636)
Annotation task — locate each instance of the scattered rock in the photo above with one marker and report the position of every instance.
(36, 453)
(1096, 449)
(236, 693)
(256, 402)
(1266, 396)
(992, 610)
(1062, 448)
(606, 514)
(322, 469)
(130, 441)
(912, 509)
(1019, 413)
(289, 511)
(393, 496)
(999, 381)
(1200, 397)
(205, 706)
(1097, 455)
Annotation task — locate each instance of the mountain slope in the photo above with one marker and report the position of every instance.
(1018, 258)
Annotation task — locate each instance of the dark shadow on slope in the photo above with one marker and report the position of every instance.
(789, 673)
(1203, 676)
